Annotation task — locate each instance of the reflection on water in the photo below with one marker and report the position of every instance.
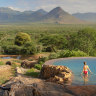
(6, 57)
(86, 78)
(76, 65)
(18, 57)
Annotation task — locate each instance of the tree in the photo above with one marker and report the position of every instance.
(21, 38)
(83, 40)
(12, 49)
(29, 48)
(54, 42)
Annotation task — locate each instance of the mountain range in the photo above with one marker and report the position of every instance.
(91, 17)
(57, 15)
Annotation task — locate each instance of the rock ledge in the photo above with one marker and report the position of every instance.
(57, 74)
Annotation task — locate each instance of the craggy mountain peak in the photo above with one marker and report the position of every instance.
(42, 11)
(58, 10)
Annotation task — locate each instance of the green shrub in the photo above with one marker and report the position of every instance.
(12, 49)
(65, 53)
(21, 38)
(48, 49)
(38, 66)
(17, 61)
(29, 48)
(14, 65)
(1, 63)
(53, 42)
(39, 48)
(78, 53)
(68, 53)
(31, 72)
(41, 60)
(53, 56)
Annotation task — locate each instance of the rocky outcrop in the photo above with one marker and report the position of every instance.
(19, 89)
(28, 64)
(57, 74)
(8, 63)
(23, 90)
(26, 86)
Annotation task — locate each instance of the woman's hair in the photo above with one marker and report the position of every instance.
(84, 63)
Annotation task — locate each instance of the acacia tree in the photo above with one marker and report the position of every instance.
(29, 48)
(54, 42)
(87, 39)
(84, 40)
(21, 38)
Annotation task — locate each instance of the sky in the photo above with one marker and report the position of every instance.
(71, 6)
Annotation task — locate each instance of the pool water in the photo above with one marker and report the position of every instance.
(76, 65)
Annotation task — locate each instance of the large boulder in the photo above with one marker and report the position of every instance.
(28, 64)
(58, 74)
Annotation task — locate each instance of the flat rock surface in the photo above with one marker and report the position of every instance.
(23, 85)
(50, 89)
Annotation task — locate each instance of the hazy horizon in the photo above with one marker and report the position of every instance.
(71, 6)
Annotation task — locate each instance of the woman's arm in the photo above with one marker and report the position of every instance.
(89, 69)
(82, 71)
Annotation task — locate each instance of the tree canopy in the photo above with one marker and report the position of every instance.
(21, 38)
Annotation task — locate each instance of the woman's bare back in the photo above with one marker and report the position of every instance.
(85, 68)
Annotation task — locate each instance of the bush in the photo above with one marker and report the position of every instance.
(68, 53)
(53, 42)
(53, 56)
(78, 53)
(31, 72)
(39, 48)
(12, 49)
(48, 49)
(1, 63)
(29, 48)
(21, 38)
(65, 53)
(41, 60)
(38, 66)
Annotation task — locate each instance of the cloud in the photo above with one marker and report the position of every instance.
(71, 6)
(17, 9)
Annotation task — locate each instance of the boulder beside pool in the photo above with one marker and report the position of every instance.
(8, 63)
(28, 64)
(57, 74)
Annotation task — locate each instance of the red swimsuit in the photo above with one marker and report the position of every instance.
(85, 69)
(85, 72)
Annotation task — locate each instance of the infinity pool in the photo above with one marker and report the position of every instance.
(76, 65)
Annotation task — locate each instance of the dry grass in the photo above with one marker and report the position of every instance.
(6, 73)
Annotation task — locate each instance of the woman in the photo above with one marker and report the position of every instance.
(86, 69)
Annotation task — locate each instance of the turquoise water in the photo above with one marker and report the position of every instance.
(76, 65)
